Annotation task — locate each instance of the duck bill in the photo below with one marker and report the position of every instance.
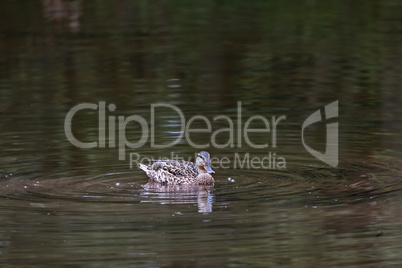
(209, 169)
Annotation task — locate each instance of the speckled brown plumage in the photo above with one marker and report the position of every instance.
(180, 172)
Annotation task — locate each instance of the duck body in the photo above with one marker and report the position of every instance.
(173, 172)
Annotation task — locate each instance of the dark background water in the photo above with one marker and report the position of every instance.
(63, 205)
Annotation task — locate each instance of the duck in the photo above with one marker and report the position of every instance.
(179, 172)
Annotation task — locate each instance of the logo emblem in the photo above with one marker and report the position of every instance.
(331, 150)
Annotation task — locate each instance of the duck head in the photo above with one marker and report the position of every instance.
(203, 162)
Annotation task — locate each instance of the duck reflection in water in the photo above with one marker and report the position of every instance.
(180, 194)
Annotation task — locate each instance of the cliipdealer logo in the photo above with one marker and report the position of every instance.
(237, 132)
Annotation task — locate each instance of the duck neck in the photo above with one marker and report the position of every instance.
(201, 169)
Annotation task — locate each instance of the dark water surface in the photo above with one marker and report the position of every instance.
(66, 206)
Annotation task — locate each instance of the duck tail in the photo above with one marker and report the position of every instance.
(144, 167)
